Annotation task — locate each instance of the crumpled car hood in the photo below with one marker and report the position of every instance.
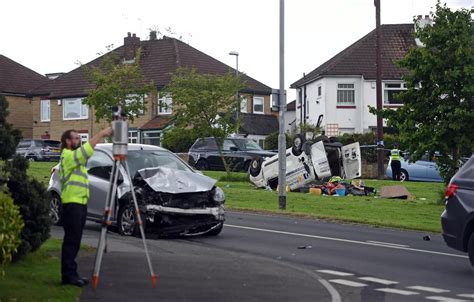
(173, 181)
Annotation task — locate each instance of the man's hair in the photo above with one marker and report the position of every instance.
(66, 135)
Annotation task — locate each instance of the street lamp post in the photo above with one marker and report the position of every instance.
(281, 107)
(236, 54)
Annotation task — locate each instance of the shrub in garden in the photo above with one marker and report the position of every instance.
(11, 225)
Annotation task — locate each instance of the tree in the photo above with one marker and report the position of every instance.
(271, 141)
(438, 111)
(117, 83)
(9, 137)
(206, 103)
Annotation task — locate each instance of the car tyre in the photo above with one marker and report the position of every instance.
(216, 231)
(55, 209)
(403, 175)
(298, 142)
(202, 165)
(255, 166)
(470, 248)
(31, 158)
(127, 222)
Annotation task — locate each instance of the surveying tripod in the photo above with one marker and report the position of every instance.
(119, 150)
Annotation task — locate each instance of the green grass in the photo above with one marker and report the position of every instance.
(422, 213)
(37, 277)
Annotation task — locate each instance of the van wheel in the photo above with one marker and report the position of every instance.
(470, 249)
(256, 166)
(298, 142)
(202, 165)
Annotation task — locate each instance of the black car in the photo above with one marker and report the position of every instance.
(39, 150)
(457, 219)
(204, 155)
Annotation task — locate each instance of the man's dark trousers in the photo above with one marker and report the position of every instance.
(396, 167)
(73, 218)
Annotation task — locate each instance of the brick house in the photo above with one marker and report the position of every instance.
(160, 58)
(18, 84)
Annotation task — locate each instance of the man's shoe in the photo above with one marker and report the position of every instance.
(85, 280)
(76, 282)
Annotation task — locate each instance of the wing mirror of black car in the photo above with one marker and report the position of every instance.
(234, 149)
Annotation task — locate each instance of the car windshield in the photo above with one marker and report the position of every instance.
(247, 145)
(151, 159)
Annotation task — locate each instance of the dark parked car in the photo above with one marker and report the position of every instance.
(39, 150)
(457, 219)
(204, 155)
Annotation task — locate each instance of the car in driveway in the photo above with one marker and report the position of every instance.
(457, 220)
(39, 150)
(424, 169)
(239, 151)
(174, 199)
(308, 161)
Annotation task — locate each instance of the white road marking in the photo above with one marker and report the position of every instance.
(326, 271)
(347, 282)
(397, 291)
(387, 243)
(471, 296)
(445, 299)
(377, 280)
(429, 289)
(345, 240)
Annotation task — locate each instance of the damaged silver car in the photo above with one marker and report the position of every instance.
(174, 199)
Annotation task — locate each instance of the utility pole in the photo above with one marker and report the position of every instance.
(282, 107)
(380, 144)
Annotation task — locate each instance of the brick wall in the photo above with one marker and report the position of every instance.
(58, 125)
(21, 114)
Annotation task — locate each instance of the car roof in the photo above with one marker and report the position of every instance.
(131, 147)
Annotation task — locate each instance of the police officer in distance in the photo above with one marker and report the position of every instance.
(395, 162)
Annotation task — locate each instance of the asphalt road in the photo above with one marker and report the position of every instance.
(279, 258)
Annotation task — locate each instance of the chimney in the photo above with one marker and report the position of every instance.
(421, 23)
(131, 44)
(152, 35)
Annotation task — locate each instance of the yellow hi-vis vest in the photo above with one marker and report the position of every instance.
(73, 174)
(395, 154)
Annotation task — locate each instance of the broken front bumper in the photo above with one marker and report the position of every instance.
(217, 212)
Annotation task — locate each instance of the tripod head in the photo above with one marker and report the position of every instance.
(120, 133)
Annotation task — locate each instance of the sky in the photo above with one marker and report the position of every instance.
(54, 35)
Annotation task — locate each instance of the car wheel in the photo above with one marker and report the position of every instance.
(55, 209)
(403, 175)
(32, 158)
(216, 231)
(298, 142)
(255, 166)
(127, 221)
(202, 165)
(470, 249)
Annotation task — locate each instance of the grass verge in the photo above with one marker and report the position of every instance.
(37, 277)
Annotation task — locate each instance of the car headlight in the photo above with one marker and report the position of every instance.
(218, 195)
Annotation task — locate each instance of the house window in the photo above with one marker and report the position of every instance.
(345, 94)
(152, 138)
(165, 105)
(258, 104)
(391, 93)
(73, 109)
(261, 143)
(320, 90)
(133, 137)
(45, 110)
(243, 105)
(84, 137)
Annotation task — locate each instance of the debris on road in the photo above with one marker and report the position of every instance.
(303, 247)
(426, 238)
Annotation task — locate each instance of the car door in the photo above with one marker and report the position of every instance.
(213, 156)
(418, 170)
(432, 171)
(99, 167)
(351, 160)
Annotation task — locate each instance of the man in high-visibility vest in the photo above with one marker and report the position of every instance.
(74, 197)
(395, 162)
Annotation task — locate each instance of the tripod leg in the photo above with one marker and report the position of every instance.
(140, 224)
(105, 223)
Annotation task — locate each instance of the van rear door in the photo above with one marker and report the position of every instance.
(351, 160)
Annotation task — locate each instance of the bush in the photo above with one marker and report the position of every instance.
(31, 197)
(271, 141)
(10, 228)
(9, 137)
(179, 140)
